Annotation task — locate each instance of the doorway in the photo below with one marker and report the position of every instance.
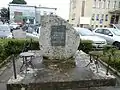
(114, 19)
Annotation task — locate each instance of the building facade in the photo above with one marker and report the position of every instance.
(94, 13)
(20, 13)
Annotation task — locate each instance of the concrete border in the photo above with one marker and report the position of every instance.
(111, 68)
(6, 61)
(5, 64)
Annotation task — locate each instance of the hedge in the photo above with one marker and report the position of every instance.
(85, 46)
(16, 46)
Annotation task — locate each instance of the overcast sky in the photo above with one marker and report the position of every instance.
(61, 5)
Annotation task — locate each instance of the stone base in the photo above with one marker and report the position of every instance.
(60, 77)
(63, 64)
(62, 85)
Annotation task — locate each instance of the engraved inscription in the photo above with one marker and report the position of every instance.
(58, 35)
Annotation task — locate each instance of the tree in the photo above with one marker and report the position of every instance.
(18, 2)
(4, 13)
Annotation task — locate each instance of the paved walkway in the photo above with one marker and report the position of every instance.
(19, 33)
(8, 72)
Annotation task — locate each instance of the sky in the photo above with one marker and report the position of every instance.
(61, 5)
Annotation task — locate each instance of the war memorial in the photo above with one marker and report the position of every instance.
(59, 65)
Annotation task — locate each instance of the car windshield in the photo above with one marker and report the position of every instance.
(85, 32)
(116, 32)
(4, 28)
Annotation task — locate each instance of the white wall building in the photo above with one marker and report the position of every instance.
(20, 13)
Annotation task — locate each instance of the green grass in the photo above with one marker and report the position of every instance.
(115, 59)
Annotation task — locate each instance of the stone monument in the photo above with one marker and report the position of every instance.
(56, 68)
(58, 40)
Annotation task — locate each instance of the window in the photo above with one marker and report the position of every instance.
(114, 4)
(103, 3)
(51, 13)
(92, 26)
(96, 26)
(107, 32)
(119, 4)
(99, 4)
(97, 17)
(37, 30)
(102, 17)
(73, 19)
(99, 31)
(106, 17)
(78, 25)
(94, 4)
(83, 8)
(45, 13)
(74, 4)
(108, 4)
(93, 16)
(73, 16)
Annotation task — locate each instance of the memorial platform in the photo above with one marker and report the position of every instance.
(52, 77)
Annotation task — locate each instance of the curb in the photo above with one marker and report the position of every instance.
(2, 69)
(112, 69)
(6, 63)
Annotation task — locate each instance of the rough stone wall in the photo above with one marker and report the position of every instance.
(57, 52)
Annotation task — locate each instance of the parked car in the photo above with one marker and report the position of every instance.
(34, 34)
(29, 27)
(14, 26)
(111, 35)
(115, 26)
(5, 32)
(25, 27)
(86, 34)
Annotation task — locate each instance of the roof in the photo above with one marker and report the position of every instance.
(24, 5)
(21, 5)
(104, 28)
(47, 8)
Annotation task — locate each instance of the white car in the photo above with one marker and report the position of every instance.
(5, 32)
(34, 34)
(86, 34)
(115, 26)
(111, 35)
(14, 26)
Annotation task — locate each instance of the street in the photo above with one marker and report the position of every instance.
(19, 33)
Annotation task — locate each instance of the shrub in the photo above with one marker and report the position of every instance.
(15, 46)
(114, 53)
(85, 46)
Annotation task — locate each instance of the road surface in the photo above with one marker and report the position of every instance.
(19, 33)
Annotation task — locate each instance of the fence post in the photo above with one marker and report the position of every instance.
(108, 64)
(14, 67)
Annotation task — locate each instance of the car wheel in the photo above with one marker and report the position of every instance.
(117, 44)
